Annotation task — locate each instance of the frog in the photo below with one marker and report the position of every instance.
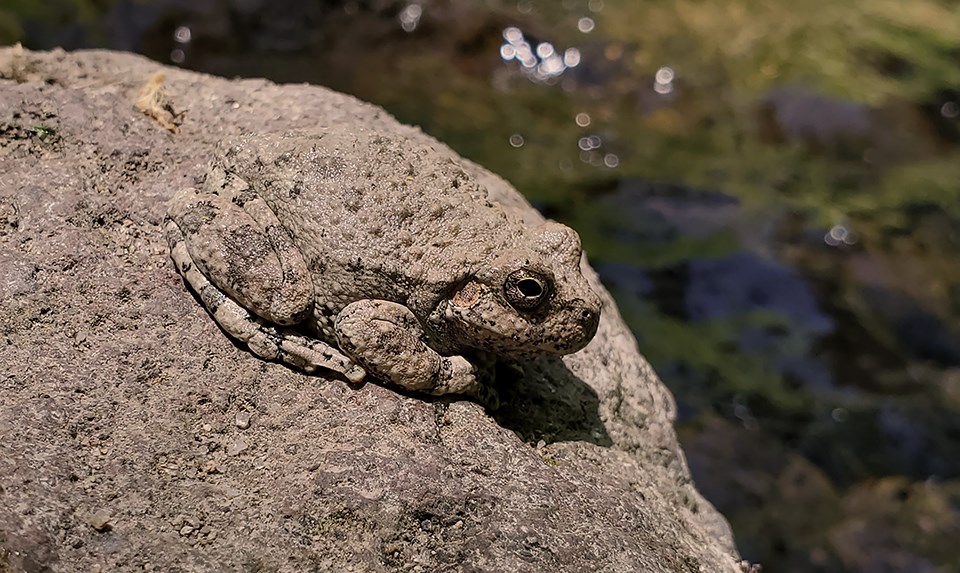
(374, 255)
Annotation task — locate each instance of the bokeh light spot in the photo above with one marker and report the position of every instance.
(182, 35)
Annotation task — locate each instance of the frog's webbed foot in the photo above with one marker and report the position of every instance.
(264, 339)
(387, 340)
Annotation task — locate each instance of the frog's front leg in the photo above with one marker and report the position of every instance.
(387, 340)
(252, 279)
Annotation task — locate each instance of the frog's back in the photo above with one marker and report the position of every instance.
(373, 210)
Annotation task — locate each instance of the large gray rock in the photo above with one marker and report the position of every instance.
(136, 436)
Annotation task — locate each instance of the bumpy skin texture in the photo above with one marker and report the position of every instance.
(399, 267)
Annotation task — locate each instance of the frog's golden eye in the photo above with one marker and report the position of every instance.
(526, 289)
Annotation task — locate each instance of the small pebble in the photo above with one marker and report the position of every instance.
(186, 530)
(100, 520)
(243, 420)
(237, 447)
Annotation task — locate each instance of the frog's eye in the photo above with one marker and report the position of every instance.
(526, 289)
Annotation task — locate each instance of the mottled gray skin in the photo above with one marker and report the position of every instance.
(386, 260)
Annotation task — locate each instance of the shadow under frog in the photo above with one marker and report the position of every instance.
(545, 401)
(369, 254)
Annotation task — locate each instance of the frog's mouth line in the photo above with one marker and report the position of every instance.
(532, 339)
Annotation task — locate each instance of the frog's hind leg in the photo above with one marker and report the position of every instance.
(386, 338)
(265, 340)
(237, 243)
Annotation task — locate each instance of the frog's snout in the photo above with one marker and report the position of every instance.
(590, 318)
(584, 318)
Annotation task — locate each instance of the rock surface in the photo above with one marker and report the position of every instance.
(136, 436)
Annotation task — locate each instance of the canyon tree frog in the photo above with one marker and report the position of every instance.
(366, 253)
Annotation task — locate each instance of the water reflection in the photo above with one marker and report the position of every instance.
(840, 235)
(181, 37)
(410, 17)
(541, 63)
(590, 142)
(663, 81)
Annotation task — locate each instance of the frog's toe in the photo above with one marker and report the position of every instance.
(355, 374)
(457, 376)
(460, 376)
